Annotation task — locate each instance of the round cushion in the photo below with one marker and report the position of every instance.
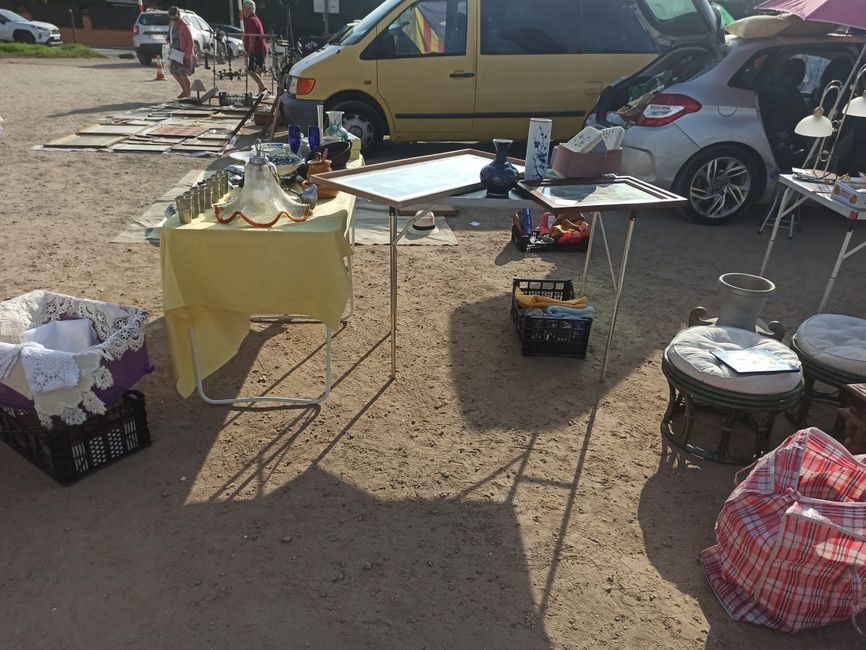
(836, 341)
(691, 352)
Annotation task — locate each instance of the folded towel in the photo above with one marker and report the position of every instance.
(47, 370)
(568, 312)
(64, 335)
(531, 301)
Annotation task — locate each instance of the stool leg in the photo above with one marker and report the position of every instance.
(725, 440)
(762, 435)
(678, 401)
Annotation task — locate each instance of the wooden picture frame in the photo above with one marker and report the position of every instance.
(414, 181)
(113, 129)
(96, 141)
(595, 194)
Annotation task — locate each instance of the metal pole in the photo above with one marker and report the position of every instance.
(231, 13)
(835, 273)
(392, 214)
(619, 285)
(782, 206)
(72, 22)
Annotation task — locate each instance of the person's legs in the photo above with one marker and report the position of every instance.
(256, 62)
(179, 79)
(184, 82)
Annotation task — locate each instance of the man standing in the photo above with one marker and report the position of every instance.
(255, 46)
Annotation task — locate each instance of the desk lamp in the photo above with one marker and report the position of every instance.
(819, 126)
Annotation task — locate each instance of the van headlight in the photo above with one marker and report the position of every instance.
(301, 86)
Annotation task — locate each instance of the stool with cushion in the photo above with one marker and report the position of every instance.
(698, 380)
(832, 349)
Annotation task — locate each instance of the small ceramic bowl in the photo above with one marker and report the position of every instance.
(338, 153)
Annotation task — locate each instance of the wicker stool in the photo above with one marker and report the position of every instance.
(698, 380)
(832, 349)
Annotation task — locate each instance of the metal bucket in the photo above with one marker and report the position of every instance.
(744, 297)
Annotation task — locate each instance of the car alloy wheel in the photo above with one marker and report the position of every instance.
(720, 188)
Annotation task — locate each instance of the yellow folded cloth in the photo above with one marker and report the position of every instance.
(531, 301)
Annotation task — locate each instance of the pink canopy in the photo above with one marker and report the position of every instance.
(850, 13)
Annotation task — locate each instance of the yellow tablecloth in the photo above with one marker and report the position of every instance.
(215, 276)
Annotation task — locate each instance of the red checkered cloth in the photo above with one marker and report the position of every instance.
(791, 551)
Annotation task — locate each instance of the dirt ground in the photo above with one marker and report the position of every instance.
(483, 500)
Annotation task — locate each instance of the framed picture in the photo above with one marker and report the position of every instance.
(414, 181)
(606, 192)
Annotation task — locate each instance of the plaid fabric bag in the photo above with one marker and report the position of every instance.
(791, 551)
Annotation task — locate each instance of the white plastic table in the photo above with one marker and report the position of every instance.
(798, 191)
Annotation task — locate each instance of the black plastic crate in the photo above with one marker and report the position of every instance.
(554, 337)
(534, 244)
(69, 452)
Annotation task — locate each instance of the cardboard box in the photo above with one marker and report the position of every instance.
(852, 193)
(585, 165)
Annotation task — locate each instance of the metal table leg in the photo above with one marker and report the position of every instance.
(619, 285)
(784, 208)
(263, 398)
(844, 254)
(392, 214)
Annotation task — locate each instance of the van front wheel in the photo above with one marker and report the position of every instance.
(362, 120)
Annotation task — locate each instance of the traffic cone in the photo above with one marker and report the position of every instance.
(160, 71)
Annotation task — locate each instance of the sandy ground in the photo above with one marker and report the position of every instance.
(484, 500)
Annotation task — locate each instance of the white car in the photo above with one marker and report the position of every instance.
(17, 28)
(150, 33)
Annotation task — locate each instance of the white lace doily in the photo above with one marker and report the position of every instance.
(119, 329)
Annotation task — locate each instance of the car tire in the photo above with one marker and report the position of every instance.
(196, 54)
(22, 36)
(144, 59)
(720, 184)
(363, 120)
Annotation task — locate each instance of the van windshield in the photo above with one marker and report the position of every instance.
(370, 21)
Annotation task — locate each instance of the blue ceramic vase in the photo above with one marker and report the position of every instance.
(500, 176)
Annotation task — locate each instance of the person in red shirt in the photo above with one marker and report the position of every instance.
(182, 56)
(255, 46)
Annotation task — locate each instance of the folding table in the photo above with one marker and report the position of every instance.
(215, 276)
(381, 183)
(799, 190)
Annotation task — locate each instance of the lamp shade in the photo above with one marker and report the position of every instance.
(815, 126)
(857, 107)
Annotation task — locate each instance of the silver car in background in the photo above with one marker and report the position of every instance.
(715, 122)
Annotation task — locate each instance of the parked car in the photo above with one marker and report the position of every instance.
(715, 123)
(150, 33)
(478, 69)
(234, 38)
(14, 27)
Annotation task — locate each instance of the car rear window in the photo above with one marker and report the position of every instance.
(153, 19)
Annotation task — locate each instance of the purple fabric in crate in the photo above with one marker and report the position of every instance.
(126, 372)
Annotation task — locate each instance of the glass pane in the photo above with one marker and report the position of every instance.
(529, 27)
(153, 19)
(426, 28)
(612, 27)
(670, 9)
(370, 21)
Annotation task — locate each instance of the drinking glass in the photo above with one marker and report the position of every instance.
(294, 138)
(314, 137)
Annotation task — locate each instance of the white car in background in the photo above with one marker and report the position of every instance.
(14, 27)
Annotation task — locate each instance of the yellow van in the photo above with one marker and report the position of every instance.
(478, 69)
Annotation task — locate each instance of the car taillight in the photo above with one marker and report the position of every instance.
(135, 30)
(666, 108)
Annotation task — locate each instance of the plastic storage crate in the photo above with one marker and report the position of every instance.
(534, 244)
(555, 337)
(68, 452)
